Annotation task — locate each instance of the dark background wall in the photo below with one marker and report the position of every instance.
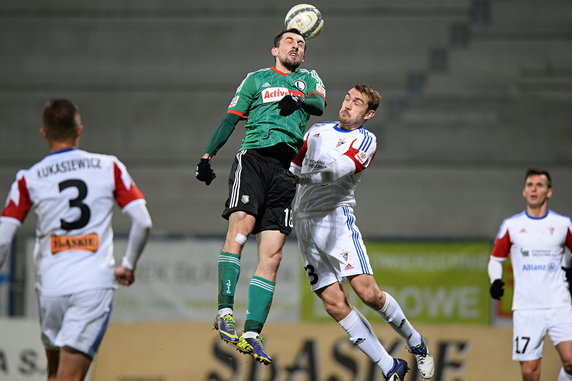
(474, 92)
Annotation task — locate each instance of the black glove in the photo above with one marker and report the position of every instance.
(568, 272)
(497, 289)
(289, 104)
(204, 172)
(292, 177)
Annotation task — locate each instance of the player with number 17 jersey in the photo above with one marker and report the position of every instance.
(536, 250)
(73, 192)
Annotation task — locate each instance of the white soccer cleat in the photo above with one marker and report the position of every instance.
(425, 362)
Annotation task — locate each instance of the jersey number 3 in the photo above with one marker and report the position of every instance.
(85, 213)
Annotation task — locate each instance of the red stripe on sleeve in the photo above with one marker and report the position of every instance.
(237, 113)
(301, 154)
(502, 246)
(352, 153)
(315, 92)
(20, 210)
(122, 194)
(569, 239)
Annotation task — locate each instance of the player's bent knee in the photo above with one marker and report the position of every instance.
(337, 310)
(530, 371)
(371, 297)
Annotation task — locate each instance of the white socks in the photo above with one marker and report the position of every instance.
(362, 335)
(224, 311)
(394, 316)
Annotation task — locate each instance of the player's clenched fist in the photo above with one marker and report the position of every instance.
(289, 104)
(204, 172)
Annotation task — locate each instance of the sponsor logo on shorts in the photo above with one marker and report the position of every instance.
(349, 266)
(245, 198)
(88, 242)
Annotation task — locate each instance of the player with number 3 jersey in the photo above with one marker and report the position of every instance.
(327, 169)
(73, 192)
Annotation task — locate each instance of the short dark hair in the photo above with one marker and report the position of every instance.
(373, 96)
(60, 119)
(537, 171)
(282, 33)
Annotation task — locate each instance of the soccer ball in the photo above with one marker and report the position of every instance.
(306, 18)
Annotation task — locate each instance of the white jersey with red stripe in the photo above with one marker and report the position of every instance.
(324, 144)
(536, 249)
(72, 192)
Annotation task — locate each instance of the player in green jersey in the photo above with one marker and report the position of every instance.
(276, 103)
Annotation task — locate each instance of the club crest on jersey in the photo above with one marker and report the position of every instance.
(341, 141)
(300, 85)
(361, 157)
(234, 101)
(551, 229)
(245, 198)
(275, 94)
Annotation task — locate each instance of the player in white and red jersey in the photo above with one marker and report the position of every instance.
(73, 192)
(327, 170)
(535, 240)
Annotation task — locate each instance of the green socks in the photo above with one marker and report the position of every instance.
(228, 272)
(260, 292)
(260, 295)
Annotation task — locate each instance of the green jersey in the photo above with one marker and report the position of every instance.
(257, 98)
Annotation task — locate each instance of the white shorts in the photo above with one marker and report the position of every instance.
(331, 246)
(530, 327)
(77, 321)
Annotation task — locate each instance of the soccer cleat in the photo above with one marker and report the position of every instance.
(397, 373)
(253, 346)
(425, 362)
(226, 328)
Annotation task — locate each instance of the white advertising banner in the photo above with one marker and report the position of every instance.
(22, 355)
(176, 279)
